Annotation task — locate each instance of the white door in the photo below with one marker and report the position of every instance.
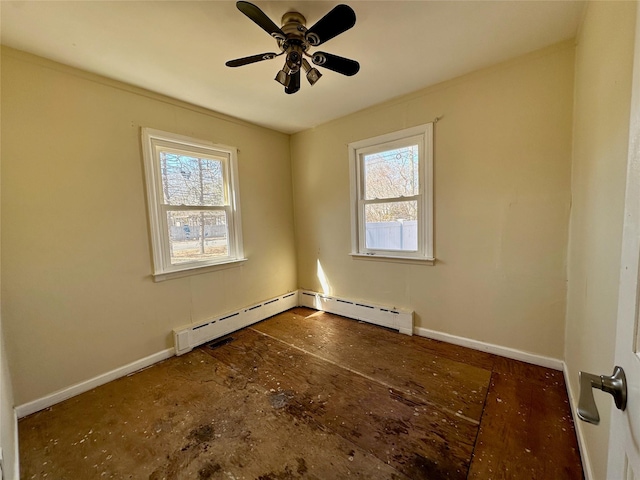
(624, 442)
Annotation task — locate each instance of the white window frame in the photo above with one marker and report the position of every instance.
(154, 141)
(421, 135)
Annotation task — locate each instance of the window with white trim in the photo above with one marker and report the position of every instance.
(193, 200)
(392, 195)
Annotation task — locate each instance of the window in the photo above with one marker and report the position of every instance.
(392, 195)
(193, 199)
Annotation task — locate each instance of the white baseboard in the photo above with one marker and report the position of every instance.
(512, 353)
(191, 336)
(540, 360)
(197, 334)
(586, 463)
(66, 393)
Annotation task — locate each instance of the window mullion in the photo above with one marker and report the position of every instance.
(373, 201)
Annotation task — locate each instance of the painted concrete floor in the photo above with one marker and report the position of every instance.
(312, 395)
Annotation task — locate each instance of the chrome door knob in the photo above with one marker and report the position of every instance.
(616, 385)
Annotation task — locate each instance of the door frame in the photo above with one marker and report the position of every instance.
(629, 292)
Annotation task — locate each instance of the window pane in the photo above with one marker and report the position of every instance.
(392, 226)
(197, 236)
(191, 181)
(391, 174)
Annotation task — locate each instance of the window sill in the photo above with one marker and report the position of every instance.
(395, 259)
(197, 270)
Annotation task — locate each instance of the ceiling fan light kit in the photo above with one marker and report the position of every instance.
(295, 40)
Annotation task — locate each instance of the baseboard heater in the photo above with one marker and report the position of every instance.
(391, 317)
(188, 337)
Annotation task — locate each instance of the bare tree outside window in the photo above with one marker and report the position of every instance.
(191, 181)
(392, 175)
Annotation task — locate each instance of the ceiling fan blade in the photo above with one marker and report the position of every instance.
(238, 62)
(342, 65)
(260, 18)
(294, 83)
(338, 20)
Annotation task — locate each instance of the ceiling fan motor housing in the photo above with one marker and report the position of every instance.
(294, 18)
(293, 26)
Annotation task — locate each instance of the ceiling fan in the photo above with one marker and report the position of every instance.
(294, 41)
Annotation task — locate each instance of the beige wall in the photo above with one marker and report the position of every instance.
(502, 198)
(604, 58)
(78, 299)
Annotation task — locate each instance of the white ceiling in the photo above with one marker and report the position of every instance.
(178, 48)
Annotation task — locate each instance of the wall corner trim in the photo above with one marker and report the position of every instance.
(16, 448)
